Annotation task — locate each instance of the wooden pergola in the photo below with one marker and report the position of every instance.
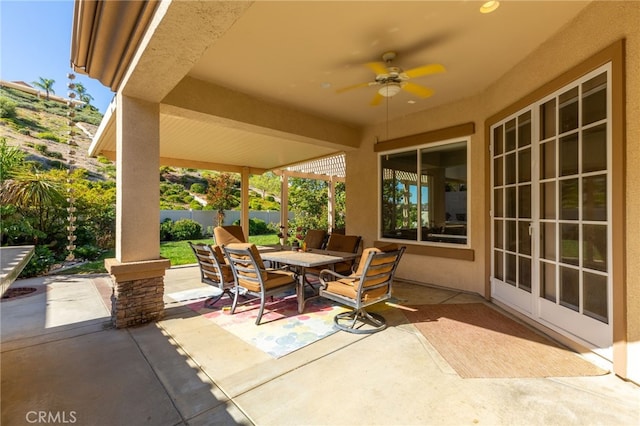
(331, 169)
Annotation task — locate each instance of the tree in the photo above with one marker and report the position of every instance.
(46, 84)
(11, 160)
(267, 183)
(83, 95)
(220, 194)
(308, 199)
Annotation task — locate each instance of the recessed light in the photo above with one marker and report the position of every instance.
(411, 101)
(489, 6)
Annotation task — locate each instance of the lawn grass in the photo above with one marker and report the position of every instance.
(178, 252)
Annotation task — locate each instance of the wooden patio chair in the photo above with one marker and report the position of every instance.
(250, 274)
(369, 285)
(228, 235)
(214, 271)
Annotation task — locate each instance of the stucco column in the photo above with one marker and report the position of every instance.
(137, 271)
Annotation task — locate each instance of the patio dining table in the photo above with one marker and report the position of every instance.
(306, 259)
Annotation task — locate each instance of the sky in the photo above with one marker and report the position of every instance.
(35, 41)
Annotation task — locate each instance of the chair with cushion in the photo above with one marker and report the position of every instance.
(315, 239)
(229, 235)
(370, 284)
(250, 274)
(213, 270)
(343, 243)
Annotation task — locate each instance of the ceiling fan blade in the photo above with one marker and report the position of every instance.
(377, 67)
(425, 70)
(376, 99)
(423, 92)
(355, 86)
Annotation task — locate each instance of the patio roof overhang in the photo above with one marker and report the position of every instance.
(232, 100)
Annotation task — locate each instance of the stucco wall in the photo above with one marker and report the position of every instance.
(598, 26)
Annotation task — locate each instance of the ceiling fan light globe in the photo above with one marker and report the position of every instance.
(389, 90)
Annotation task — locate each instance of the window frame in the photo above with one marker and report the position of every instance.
(466, 139)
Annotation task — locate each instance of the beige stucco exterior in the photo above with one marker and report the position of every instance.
(587, 35)
(157, 91)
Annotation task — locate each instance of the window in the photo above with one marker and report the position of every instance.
(424, 193)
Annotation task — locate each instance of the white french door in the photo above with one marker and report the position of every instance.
(551, 211)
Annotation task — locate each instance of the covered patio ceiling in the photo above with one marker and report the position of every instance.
(253, 85)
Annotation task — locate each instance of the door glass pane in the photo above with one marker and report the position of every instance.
(548, 200)
(524, 129)
(595, 296)
(498, 234)
(569, 155)
(510, 169)
(594, 198)
(569, 244)
(498, 202)
(510, 202)
(524, 272)
(594, 99)
(524, 165)
(510, 135)
(548, 241)
(524, 239)
(498, 144)
(569, 199)
(594, 149)
(548, 281)
(497, 172)
(498, 265)
(510, 266)
(568, 114)
(548, 160)
(594, 247)
(569, 288)
(510, 234)
(548, 119)
(524, 201)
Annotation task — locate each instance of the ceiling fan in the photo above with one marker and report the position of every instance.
(392, 79)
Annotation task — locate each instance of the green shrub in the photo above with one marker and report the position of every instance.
(50, 137)
(256, 227)
(7, 108)
(166, 230)
(194, 205)
(88, 252)
(187, 229)
(103, 160)
(40, 263)
(41, 148)
(198, 188)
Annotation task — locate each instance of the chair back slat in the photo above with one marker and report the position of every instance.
(378, 271)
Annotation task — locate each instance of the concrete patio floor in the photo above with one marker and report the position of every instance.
(63, 363)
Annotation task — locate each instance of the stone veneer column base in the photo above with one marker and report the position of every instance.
(137, 292)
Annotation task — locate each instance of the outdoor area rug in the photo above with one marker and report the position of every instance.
(479, 342)
(281, 331)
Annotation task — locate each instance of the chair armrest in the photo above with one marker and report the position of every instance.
(328, 275)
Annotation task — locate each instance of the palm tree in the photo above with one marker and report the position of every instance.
(46, 84)
(83, 95)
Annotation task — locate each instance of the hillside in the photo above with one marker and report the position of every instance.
(41, 129)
